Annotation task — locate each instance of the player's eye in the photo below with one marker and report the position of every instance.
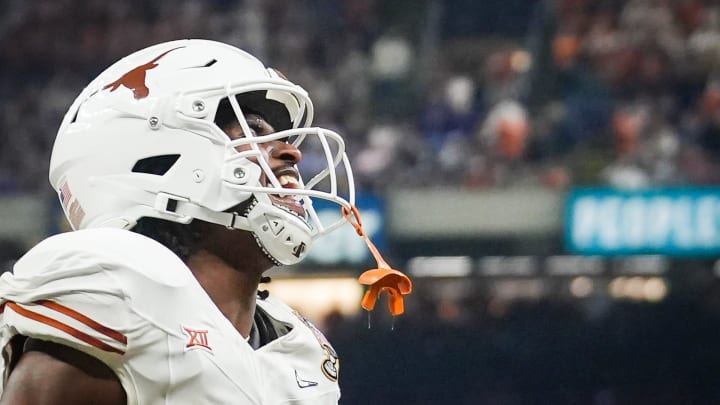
(255, 124)
(258, 125)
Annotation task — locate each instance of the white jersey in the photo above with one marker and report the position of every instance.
(130, 302)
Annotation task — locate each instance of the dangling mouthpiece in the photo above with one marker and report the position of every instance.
(383, 278)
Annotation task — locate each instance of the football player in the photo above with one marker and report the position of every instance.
(177, 167)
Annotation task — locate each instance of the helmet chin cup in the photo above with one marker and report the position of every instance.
(284, 237)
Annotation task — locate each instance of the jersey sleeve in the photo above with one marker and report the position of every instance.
(92, 290)
(77, 320)
(67, 296)
(112, 294)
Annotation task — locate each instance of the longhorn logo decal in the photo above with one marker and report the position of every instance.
(135, 78)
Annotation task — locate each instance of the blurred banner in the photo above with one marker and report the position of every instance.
(668, 221)
(440, 214)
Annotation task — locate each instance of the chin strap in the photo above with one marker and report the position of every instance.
(383, 278)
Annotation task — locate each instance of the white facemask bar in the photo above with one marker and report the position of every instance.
(333, 158)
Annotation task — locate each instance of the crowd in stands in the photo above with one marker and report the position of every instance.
(613, 92)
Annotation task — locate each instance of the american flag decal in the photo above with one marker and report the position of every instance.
(65, 194)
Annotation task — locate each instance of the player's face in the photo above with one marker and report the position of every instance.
(282, 157)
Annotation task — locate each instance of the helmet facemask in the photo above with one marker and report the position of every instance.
(280, 213)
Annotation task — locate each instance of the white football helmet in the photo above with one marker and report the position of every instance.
(157, 109)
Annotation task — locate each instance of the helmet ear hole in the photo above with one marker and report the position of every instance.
(157, 165)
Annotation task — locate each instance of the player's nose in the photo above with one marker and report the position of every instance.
(285, 152)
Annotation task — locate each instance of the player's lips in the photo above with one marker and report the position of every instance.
(289, 178)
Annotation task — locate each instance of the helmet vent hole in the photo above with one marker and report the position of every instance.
(157, 165)
(212, 62)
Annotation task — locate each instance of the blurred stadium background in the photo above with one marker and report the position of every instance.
(547, 170)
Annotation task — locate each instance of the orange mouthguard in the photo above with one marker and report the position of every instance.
(383, 278)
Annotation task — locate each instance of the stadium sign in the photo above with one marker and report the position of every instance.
(668, 221)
